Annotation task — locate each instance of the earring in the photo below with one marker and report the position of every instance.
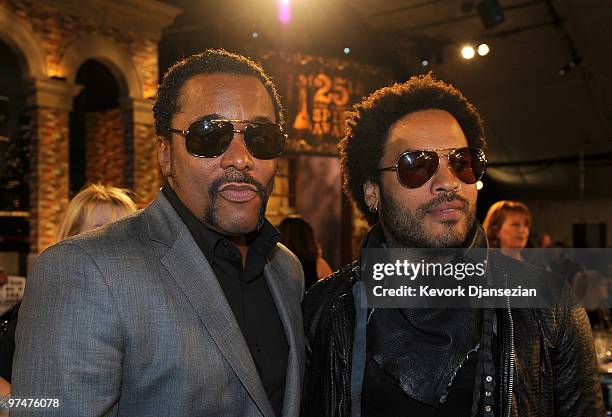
(373, 208)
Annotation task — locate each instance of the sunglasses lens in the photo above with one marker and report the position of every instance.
(468, 164)
(264, 141)
(416, 168)
(209, 139)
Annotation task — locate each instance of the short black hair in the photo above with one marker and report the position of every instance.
(210, 61)
(367, 128)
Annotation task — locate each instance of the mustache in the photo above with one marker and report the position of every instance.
(233, 176)
(444, 198)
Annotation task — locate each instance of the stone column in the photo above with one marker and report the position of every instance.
(105, 155)
(49, 104)
(142, 172)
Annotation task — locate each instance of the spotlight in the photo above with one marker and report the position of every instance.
(254, 35)
(425, 62)
(490, 12)
(347, 50)
(284, 11)
(467, 52)
(479, 185)
(483, 49)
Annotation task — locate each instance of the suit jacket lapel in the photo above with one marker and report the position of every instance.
(292, 325)
(195, 277)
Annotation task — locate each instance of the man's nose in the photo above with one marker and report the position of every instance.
(237, 154)
(444, 180)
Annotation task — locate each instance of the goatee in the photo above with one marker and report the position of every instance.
(211, 215)
(404, 228)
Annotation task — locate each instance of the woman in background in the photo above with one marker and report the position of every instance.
(297, 234)
(507, 225)
(94, 206)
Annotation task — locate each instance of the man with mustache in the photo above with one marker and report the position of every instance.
(190, 307)
(411, 157)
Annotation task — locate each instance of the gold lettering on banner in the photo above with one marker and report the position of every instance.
(302, 119)
(341, 93)
(323, 83)
(320, 117)
(330, 99)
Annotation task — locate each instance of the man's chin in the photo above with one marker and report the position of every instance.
(237, 226)
(235, 219)
(448, 235)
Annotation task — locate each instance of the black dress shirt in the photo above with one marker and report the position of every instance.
(248, 295)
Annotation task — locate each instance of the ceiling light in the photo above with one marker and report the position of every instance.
(347, 50)
(483, 49)
(468, 52)
(284, 11)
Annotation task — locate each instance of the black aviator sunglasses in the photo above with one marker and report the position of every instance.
(210, 138)
(415, 168)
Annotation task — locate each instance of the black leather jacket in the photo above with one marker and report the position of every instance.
(544, 359)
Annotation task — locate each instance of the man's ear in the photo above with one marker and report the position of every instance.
(164, 156)
(371, 194)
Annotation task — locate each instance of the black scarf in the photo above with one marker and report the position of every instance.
(423, 348)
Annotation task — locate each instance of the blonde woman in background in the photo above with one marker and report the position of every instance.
(94, 206)
(507, 225)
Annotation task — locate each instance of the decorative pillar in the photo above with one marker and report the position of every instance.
(105, 154)
(142, 172)
(49, 104)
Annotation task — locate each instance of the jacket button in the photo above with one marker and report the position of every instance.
(487, 393)
(489, 378)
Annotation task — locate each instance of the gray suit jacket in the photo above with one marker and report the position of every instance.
(130, 320)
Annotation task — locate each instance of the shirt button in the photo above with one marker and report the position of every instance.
(489, 378)
(488, 408)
